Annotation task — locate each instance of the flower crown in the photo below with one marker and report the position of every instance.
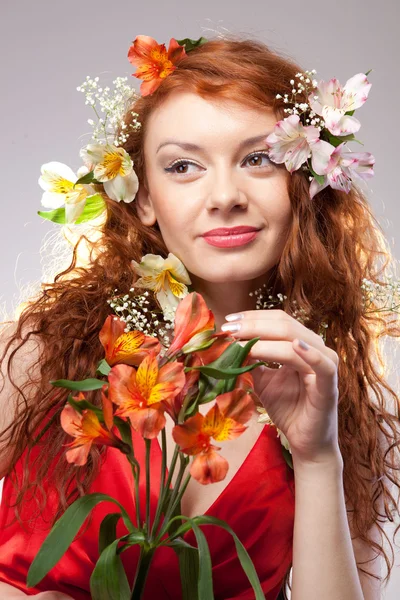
(313, 137)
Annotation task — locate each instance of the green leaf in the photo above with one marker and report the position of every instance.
(244, 558)
(103, 367)
(63, 534)
(287, 456)
(124, 430)
(108, 580)
(94, 207)
(82, 405)
(108, 530)
(226, 373)
(188, 567)
(205, 585)
(191, 44)
(85, 385)
(56, 216)
(133, 538)
(318, 178)
(88, 178)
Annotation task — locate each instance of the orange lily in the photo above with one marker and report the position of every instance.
(153, 61)
(194, 325)
(86, 428)
(141, 394)
(224, 421)
(125, 347)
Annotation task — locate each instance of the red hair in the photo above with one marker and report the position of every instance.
(334, 243)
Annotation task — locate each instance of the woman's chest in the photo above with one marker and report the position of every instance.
(198, 498)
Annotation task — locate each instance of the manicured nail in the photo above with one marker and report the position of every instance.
(304, 345)
(231, 326)
(234, 317)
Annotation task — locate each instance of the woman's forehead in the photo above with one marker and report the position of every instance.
(188, 115)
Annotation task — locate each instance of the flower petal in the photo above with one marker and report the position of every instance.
(122, 188)
(209, 467)
(356, 90)
(56, 177)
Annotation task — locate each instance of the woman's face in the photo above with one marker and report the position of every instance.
(204, 171)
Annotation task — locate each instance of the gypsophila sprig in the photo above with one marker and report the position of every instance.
(303, 87)
(110, 107)
(383, 297)
(133, 309)
(265, 300)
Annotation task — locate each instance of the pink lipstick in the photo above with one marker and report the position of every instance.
(230, 237)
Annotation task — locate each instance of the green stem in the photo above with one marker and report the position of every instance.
(136, 474)
(148, 448)
(162, 492)
(145, 558)
(175, 498)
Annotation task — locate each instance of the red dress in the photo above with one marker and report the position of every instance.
(258, 503)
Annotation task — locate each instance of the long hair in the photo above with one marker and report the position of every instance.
(334, 244)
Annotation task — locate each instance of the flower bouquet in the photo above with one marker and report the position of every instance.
(139, 381)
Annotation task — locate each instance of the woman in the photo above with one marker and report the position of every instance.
(203, 163)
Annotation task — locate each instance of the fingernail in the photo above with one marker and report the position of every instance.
(234, 317)
(304, 345)
(231, 326)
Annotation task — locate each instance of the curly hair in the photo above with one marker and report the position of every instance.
(334, 243)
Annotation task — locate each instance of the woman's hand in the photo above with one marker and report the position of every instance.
(301, 397)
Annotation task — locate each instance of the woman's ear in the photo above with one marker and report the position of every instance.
(145, 208)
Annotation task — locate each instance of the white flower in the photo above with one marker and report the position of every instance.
(332, 101)
(113, 167)
(57, 179)
(341, 168)
(266, 419)
(166, 277)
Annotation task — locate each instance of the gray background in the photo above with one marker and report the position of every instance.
(48, 47)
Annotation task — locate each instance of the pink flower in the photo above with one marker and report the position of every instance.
(341, 168)
(331, 101)
(290, 142)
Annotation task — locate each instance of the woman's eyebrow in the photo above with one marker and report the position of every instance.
(190, 146)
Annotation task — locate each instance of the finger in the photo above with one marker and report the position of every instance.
(321, 365)
(268, 329)
(279, 352)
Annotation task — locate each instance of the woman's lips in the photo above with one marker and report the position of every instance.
(230, 240)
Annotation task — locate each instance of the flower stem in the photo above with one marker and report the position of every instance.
(145, 558)
(136, 474)
(162, 492)
(175, 497)
(148, 448)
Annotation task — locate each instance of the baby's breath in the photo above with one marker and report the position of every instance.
(110, 107)
(134, 310)
(381, 297)
(300, 89)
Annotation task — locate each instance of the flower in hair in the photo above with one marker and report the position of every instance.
(154, 63)
(291, 143)
(67, 197)
(167, 277)
(343, 167)
(113, 167)
(315, 135)
(333, 102)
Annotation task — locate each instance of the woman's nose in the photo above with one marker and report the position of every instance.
(224, 191)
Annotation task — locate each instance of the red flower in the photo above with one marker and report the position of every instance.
(129, 347)
(154, 62)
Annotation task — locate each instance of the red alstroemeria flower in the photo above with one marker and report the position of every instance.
(140, 395)
(153, 60)
(224, 421)
(129, 347)
(86, 428)
(194, 324)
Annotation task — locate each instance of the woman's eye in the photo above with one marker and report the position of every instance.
(181, 167)
(258, 157)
